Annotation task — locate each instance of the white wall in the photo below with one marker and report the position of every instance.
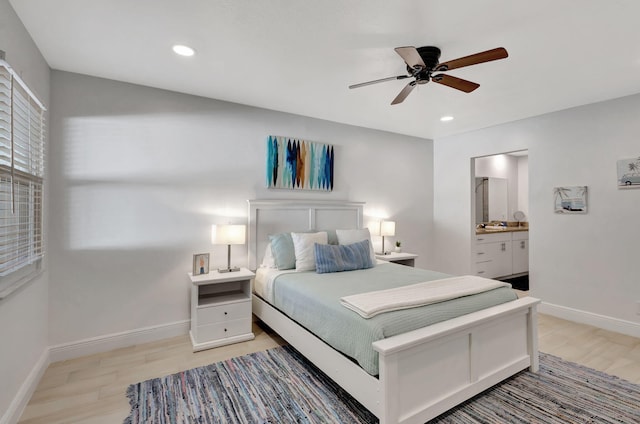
(23, 315)
(138, 175)
(583, 266)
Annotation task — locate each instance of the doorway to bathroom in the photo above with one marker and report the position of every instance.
(501, 210)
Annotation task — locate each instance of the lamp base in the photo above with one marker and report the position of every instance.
(234, 269)
(388, 252)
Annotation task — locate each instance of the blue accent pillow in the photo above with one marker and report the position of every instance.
(282, 250)
(342, 257)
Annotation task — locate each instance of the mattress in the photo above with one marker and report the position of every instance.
(263, 282)
(313, 301)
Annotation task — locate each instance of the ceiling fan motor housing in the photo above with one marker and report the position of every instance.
(430, 56)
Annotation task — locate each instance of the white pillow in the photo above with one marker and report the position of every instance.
(267, 260)
(354, 236)
(303, 245)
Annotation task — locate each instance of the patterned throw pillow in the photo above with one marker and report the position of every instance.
(352, 236)
(343, 257)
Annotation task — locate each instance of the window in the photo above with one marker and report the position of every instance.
(21, 177)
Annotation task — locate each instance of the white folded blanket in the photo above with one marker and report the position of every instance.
(373, 303)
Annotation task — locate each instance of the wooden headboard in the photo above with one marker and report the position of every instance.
(279, 216)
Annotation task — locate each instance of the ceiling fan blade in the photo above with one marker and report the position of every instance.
(362, 84)
(455, 82)
(404, 93)
(410, 56)
(488, 56)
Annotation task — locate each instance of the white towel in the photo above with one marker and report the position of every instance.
(373, 303)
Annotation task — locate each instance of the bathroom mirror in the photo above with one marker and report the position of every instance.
(491, 199)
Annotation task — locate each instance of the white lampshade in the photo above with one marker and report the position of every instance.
(388, 228)
(228, 234)
(374, 228)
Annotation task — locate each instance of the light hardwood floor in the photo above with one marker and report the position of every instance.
(92, 389)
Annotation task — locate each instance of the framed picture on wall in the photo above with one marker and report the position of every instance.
(570, 199)
(629, 173)
(200, 264)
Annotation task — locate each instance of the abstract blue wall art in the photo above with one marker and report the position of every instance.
(299, 164)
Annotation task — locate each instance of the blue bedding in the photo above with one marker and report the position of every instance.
(313, 300)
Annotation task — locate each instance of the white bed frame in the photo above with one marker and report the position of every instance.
(424, 372)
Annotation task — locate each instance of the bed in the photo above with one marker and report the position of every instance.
(420, 373)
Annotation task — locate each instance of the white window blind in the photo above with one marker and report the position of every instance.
(21, 173)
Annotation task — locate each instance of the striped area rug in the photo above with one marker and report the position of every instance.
(280, 386)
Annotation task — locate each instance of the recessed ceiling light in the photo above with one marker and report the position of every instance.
(446, 118)
(183, 50)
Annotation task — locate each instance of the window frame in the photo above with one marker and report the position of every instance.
(22, 182)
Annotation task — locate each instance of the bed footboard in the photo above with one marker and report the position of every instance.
(426, 372)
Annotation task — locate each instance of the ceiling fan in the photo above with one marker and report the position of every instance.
(422, 62)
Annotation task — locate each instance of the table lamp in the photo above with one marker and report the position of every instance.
(228, 234)
(387, 228)
(383, 228)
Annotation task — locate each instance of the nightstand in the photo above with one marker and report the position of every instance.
(220, 308)
(408, 259)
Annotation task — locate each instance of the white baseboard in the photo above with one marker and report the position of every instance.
(109, 342)
(86, 347)
(601, 321)
(20, 401)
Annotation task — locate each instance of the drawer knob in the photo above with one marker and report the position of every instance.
(225, 330)
(225, 313)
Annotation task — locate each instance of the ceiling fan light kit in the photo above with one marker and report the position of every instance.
(422, 62)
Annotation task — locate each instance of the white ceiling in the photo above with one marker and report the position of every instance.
(299, 56)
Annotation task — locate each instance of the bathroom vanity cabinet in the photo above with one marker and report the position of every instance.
(501, 254)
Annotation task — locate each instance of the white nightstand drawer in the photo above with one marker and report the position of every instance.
(222, 313)
(224, 329)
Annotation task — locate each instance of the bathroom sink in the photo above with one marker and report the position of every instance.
(495, 227)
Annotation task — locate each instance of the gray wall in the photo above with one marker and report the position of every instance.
(584, 267)
(23, 315)
(138, 175)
